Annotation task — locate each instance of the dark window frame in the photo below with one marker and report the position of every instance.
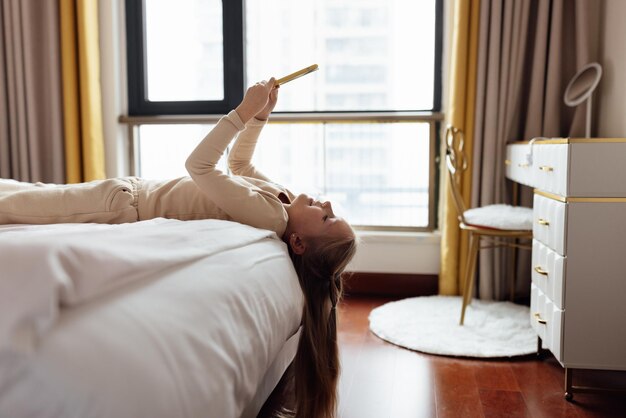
(234, 64)
(233, 35)
(438, 73)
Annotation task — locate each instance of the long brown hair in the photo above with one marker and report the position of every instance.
(317, 366)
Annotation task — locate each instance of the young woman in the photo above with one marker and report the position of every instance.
(320, 244)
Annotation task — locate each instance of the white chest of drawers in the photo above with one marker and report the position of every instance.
(578, 290)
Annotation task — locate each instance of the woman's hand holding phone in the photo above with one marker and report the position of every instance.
(269, 107)
(258, 100)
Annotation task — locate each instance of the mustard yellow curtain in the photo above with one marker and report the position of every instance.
(82, 105)
(460, 113)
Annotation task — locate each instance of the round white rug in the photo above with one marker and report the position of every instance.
(431, 324)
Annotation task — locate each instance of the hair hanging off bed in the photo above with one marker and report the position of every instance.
(316, 364)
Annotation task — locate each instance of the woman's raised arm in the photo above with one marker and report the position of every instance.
(250, 206)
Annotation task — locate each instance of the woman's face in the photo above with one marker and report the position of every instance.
(311, 218)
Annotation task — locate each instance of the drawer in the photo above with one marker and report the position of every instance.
(573, 167)
(547, 321)
(548, 271)
(550, 167)
(549, 220)
(517, 167)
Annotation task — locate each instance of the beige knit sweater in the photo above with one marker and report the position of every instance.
(247, 196)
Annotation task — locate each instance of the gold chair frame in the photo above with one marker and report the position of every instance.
(456, 161)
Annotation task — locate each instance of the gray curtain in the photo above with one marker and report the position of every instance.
(31, 124)
(528, 52)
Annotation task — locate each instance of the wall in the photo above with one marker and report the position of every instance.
(611, 99)
(397, 252)
(113, 79)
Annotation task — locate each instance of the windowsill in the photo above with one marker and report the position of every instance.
(294, 117)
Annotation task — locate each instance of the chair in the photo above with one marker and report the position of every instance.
(498, 225)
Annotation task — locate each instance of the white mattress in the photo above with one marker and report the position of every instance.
(161, 318)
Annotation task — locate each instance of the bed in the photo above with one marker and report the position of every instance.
(160, 318)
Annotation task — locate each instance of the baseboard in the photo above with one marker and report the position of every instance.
(385, 284)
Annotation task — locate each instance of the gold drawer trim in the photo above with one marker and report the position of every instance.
(572, 141)
(551, 195)
(580, 199)
(597, 199)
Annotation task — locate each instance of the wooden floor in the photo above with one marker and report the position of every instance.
(381, 380)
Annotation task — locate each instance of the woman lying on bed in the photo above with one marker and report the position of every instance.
(320, 244)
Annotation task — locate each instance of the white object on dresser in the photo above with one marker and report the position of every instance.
(578, 286)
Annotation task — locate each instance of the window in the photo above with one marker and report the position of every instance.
(361, 131)
(182, 57)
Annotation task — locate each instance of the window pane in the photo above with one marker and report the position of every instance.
(163, 149)
(379, 172)
(374, 174)
(373, 55)
(292, 155)
(184, 50)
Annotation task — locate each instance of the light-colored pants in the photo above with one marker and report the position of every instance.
(112, 201)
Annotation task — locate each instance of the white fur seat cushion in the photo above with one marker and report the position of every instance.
(500, 217)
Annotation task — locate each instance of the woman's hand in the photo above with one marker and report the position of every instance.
(271, 103)
(256, 100)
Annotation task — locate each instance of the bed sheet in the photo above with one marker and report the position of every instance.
(161, 318)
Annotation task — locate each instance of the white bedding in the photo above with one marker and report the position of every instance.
(160, 318)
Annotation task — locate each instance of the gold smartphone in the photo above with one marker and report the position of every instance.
(297, 74)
